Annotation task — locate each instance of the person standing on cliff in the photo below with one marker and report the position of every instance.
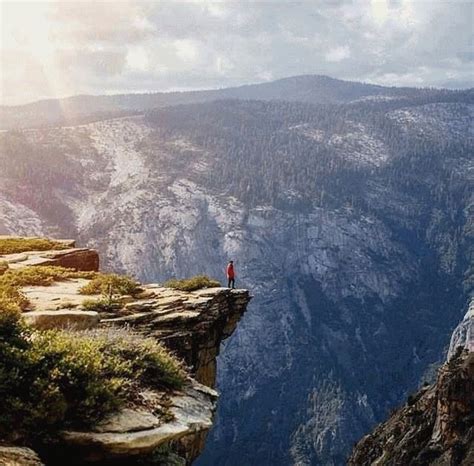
(230, 275)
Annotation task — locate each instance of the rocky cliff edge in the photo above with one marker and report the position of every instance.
(190, 324)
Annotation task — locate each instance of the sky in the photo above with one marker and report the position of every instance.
(56, 49)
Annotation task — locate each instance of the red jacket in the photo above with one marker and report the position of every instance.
(230, 271)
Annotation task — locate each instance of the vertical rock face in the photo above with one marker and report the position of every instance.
(463, 335)
(435, 426)
(199, 345)
(197, 339)
(192, 325)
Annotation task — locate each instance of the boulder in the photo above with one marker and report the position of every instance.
(67, 318)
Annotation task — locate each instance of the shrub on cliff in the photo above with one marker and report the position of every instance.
(150, 362)
(12, 294)
(193, 283)
(49, 380)
(10, 327)
(12, 245)
(53, 380)
(100, 305)
(110, 284)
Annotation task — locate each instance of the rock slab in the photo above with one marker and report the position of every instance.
(131, 433)
(62, 319)
(82, 259)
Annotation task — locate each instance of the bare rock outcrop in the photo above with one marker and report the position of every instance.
(82, 259)
(191, 324)
(463, 335)
(435, 427)
(131, 433)
(18, 456)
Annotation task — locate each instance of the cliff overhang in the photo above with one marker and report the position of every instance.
(191, 325)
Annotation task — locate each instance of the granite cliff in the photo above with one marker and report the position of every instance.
(192, 325)
(436, 425)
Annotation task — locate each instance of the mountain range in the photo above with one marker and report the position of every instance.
(307, 88)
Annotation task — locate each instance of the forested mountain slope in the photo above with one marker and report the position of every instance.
(350, 223)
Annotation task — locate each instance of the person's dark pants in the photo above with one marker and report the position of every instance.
(231, 281)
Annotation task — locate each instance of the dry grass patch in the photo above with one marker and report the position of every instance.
(13, 295)
(109, 286)
(101, 305)
(152, 365)
(3, 267)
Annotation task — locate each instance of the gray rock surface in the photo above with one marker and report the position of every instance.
(131, 433)
(463, 335)
(128, 420)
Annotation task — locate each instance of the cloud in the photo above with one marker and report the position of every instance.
(63, 48)
(106, 22)
(187, 50)
(104, 62)
(337, 54)
(137, 59)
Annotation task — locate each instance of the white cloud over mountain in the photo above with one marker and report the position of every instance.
(71, 47)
